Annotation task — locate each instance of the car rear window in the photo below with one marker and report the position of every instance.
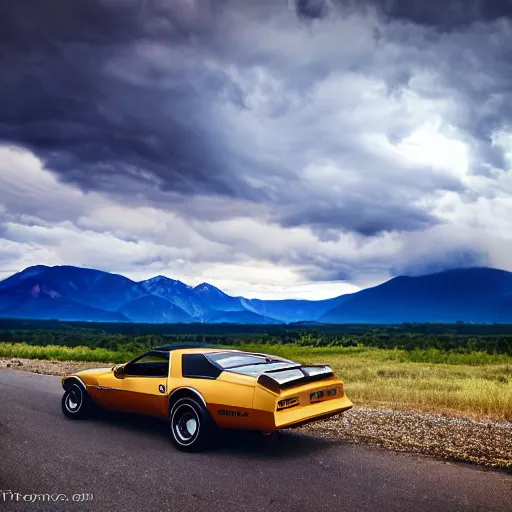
(248, 364)
(228, 361)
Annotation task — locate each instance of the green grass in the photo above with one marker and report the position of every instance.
(61, 353)
(472, 384)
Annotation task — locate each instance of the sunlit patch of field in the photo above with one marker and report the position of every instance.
(475, 384)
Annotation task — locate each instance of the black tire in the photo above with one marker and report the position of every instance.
(76, 402)
(192, 427)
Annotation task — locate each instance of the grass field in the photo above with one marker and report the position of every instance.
(473, 384)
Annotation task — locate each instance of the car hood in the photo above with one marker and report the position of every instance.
(90, 376)
(94, 371)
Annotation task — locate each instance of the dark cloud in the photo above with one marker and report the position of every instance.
(312, 9)
(336, 271)
(441, 259)
(445, 13)
(318, 268)
(103, 22)
(366, 218)
(78, 92)
(441, 14)
(138, 97)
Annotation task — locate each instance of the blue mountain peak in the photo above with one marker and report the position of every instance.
(208, 288)
(164, 281)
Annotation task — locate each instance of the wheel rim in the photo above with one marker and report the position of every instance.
(187, 427)
(191, 426)
(74, 399)
(185, 424)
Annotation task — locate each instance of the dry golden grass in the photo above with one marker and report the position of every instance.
(386, 379)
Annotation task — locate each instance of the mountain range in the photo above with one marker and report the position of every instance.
(480, 295)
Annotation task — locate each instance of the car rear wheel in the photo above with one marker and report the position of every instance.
(76, 402)
(192, 428)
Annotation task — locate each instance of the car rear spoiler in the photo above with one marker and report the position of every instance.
(284, 378)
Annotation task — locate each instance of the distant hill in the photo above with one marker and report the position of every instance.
(179, 294)
(154, 310)
(292, 310)
(241, 317)
(470, 295)
(217, 299)
(94, 288)
(42, 306)
(478, 295)
(66, 293)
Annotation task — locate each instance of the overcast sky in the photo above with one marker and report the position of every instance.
(275, 148)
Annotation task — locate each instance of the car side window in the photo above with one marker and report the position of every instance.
(151, 365)
(197, 366)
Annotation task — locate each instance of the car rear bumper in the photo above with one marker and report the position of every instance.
(298, 416)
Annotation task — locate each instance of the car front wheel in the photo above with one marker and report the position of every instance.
(192, 428)
(76, 402)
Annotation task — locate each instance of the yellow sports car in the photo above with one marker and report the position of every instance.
(199, 389)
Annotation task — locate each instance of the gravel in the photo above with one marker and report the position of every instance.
(487, 443)
(49, 367)
(463, 439)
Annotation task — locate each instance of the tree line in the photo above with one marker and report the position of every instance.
(493, 339)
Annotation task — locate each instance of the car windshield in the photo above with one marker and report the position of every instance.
(249, 364)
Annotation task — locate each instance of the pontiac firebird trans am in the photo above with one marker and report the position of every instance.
(201, 389)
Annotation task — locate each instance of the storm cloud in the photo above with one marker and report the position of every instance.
(330, 140)
(440, 14)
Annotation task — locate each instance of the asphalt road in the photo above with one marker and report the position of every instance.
(128, 463)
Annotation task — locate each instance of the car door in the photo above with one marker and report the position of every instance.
(140, 388)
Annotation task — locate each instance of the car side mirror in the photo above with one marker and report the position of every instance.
(118, 372)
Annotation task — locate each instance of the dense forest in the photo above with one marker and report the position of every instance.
(493, 339)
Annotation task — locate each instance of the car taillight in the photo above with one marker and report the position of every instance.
(317, 395)
(287, 403)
